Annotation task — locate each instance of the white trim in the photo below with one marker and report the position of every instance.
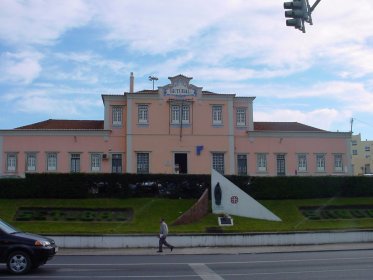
(129, 152)
(301, 134)
(231, 125)
(55, 132)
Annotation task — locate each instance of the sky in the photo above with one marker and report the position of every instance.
(57, 57)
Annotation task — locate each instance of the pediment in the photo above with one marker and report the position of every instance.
(180, 86)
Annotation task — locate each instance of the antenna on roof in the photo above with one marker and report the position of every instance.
(153, 78)
(351, 122)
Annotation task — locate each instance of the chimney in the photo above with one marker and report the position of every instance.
(132, 81)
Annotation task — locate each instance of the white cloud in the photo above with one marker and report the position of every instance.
(40, 22)
(323, 118)
(21, 67)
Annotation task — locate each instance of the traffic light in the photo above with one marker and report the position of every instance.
(299, 12)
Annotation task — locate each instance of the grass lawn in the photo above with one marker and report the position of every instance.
(147, 212)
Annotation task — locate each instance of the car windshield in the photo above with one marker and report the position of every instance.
(7, 228)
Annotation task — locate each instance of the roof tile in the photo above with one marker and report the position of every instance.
(65, 124)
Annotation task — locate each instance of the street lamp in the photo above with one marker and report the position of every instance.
(153, 78)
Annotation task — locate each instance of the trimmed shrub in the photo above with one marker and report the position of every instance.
(82, 185)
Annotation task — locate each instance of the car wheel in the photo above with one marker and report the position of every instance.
(19, 262)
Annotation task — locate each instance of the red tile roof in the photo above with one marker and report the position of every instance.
(65, 124)
(97, 125)
(283, 126)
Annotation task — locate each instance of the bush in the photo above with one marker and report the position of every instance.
(81, 185)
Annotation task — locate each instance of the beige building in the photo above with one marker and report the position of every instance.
(362, 155)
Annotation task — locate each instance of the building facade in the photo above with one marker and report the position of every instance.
(362, 155)
(178, 128)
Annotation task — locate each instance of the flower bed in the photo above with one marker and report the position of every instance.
(337, 212)
(74, 214)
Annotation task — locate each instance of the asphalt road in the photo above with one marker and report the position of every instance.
(351, 264)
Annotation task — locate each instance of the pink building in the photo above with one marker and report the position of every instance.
(179, 128)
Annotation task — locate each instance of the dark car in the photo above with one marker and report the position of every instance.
(23, 251)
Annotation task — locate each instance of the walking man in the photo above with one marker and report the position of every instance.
(163, 232)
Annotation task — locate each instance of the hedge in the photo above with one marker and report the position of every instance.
(82, 185)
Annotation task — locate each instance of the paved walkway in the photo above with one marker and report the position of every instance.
(219, 250)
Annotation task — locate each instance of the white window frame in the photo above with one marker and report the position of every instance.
(302, 163)
(175, 114)
(218, 162)
(338, 163)
(52, 159)
(241, 116)
(96, 162)
(261, 162)
(180, 111)
(11, 162)
(185, 114)
(217, 114)
(30, 162)
(320, 162)
(117, 115)
(143, 113)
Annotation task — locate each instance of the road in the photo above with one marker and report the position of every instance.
(351, 264)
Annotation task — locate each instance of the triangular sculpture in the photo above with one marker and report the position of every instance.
(227, 198)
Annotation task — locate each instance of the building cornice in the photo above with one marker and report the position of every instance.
(296, 134)
(55, 132)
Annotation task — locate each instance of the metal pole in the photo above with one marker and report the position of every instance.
(314, 5)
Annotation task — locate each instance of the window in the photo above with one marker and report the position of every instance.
(143, 163)
(354, 152)
(75, 163)
(241, 116)
(217, 118)
(320, 163)
(30, 162)
(367, 148)
(242, 164)
(11, 162)
(354, 142)
(338, 163)
(218, 162)
(117, 115)
(302, 162)
(143, 114)
(116, 163)
(261, 162)
(95, 162)
(176, 112)
(185, 113)
(51, 161)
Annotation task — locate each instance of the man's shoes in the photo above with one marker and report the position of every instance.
(172, 247)
(159, 251)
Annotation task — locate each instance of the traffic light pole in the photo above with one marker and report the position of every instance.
(314, 5)
(299, 12)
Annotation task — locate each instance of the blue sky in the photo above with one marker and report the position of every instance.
(58, 57)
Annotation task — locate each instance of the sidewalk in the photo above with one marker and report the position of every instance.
(219, 250)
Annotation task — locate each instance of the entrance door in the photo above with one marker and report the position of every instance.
(181, 163)
(281, 165)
